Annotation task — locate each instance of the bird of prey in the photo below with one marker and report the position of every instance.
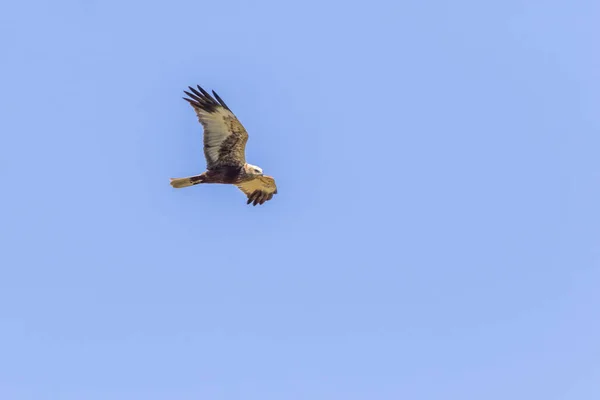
(224, 149)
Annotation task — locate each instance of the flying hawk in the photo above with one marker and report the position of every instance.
(224, 149)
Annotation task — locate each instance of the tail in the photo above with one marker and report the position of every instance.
(179, 183)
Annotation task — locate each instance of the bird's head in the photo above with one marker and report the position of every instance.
(253, 170)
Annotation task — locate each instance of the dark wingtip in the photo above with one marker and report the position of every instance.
(220, 100)
(204, 92)
(189, 94)
(201, 99)
(197, 93)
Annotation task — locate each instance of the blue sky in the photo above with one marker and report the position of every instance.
(435, 235)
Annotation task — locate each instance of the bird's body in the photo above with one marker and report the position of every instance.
(226, 175)
(224, 149)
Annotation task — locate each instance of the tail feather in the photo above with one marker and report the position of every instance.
(178, 183)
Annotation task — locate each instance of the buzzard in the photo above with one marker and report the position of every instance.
(224, 149)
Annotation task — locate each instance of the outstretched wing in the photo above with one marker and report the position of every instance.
(224, 136)
(260, 189)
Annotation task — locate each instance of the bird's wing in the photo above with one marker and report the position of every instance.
(224, 136)
(260, 189)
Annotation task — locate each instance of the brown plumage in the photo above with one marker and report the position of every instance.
(225, 141)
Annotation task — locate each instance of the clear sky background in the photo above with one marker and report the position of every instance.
(435, 236)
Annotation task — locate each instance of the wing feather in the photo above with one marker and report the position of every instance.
(259, 190)
(225, 137)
